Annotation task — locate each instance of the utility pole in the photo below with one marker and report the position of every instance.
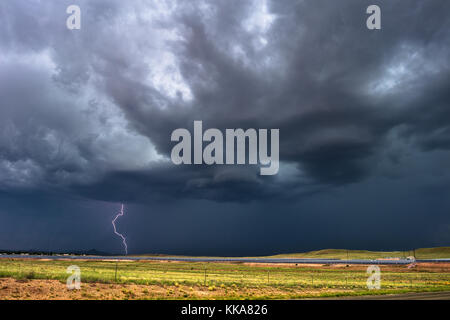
(205, 277)
(115, 274)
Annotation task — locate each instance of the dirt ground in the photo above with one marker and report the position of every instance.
(12, 289)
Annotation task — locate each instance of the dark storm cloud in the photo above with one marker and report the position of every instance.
(164, 183)
(86, 118)
(92, 111)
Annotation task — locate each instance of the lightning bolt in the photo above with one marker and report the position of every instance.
(124, 241)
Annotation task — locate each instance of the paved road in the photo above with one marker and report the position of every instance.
(249, 260)
(404, 296)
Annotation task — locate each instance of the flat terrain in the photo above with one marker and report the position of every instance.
(46, 279)
(258, 260)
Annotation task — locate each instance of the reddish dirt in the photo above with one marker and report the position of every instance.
(11, 289)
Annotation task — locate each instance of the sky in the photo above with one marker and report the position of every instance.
(86, 118)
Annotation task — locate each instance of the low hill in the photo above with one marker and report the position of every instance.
(423, 253)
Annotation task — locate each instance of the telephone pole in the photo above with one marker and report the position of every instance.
(115, 274)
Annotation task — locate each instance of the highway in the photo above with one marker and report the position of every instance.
(404, 296)
(206, 259)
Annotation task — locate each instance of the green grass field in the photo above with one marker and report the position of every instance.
(236, 280)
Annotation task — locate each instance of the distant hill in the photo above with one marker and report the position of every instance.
(91, 252)
(94, 252)
(423, 253)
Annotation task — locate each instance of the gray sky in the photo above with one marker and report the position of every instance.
(86, 117)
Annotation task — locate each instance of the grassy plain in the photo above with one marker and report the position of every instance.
(43, 279)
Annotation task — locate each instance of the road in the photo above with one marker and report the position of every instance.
(248, 260)
(404, 296)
